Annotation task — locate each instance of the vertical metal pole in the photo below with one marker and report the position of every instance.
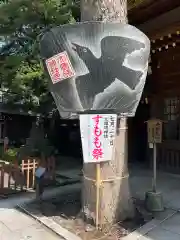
(154, 167)
(98, 182)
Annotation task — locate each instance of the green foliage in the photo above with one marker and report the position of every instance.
(21, 23)
(10, 155)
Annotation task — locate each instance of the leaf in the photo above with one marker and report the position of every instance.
(21, 23)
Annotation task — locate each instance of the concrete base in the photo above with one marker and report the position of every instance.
(154, 201)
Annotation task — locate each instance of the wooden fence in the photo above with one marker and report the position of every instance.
(28, 168)
(30, 165)
(11, 179)
(15, 178)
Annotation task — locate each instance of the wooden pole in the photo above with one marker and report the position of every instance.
(28, 169)
(154, 167)
(34, 170)
(98, 185)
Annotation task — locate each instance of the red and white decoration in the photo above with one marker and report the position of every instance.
(98, 134)
(60, 67)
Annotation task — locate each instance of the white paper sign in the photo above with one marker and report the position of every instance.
(97, 135)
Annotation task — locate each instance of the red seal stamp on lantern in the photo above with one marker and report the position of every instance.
(60, 67)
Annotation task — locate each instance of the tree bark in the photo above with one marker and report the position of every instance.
(104, 10)
(115, 199)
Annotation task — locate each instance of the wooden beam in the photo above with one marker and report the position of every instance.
(132, 8)
(162, 25)
(150, 9)
(132, 4)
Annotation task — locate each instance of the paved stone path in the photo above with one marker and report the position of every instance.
(14, 225)
(165, 225)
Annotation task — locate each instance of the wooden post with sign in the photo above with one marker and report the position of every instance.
(154, 201)
(154, 137)
(97, 136)
(98, 186)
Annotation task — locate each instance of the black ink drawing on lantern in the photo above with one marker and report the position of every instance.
(110, 65)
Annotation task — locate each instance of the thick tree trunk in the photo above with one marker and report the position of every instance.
(104, 10)
(115, 199)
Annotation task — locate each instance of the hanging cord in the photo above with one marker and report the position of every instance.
(106, 180)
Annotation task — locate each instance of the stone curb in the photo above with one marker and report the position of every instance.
(142, 231)
(47, 222)
(52, 225)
